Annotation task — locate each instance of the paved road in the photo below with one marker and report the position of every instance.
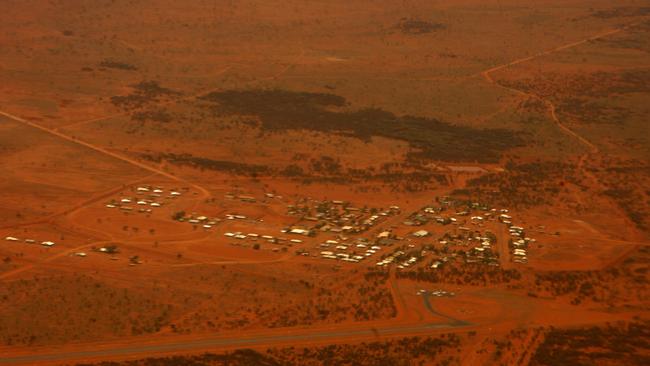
(452, 321)
(279, 336)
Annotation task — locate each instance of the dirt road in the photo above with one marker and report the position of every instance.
(552, 108)
(106, 152)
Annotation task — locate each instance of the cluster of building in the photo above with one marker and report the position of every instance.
(519, 242)
(482, 250)
(336, 217)
(249, 198)
(353, 252)
(447, 213)
(470, 221)
(437, 293)
(257, 237)
(399, 259)
(46, 243)
(206, 222)
(146, 198)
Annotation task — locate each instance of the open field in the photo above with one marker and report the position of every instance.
(305, 183)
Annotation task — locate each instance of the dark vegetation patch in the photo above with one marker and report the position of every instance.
(67, 308)
(442, 350)
(473, 275)
(626, 184)
(633, 203)
(615, 344)
(635, 38)
(110, 64)
(280, 110)
(304, 302)
(522, 185)
(154, 115)
(416, 26)
(626, 282)
(143, 93)
(325, 169)
(243, 357)
(623, 11)
(594, 111)
(596, 85)
(586, 96)
(210, 164)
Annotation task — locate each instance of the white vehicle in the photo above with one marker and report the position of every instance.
(125, 200)
(80, 254)
(299, 231)
(11, 238)
(47, 243)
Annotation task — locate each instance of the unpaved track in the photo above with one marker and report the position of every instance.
(205, 192)
(554, 50)
(106, 152)
(80, 205)
(591, 148)
(51, 258)
(551, 107)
